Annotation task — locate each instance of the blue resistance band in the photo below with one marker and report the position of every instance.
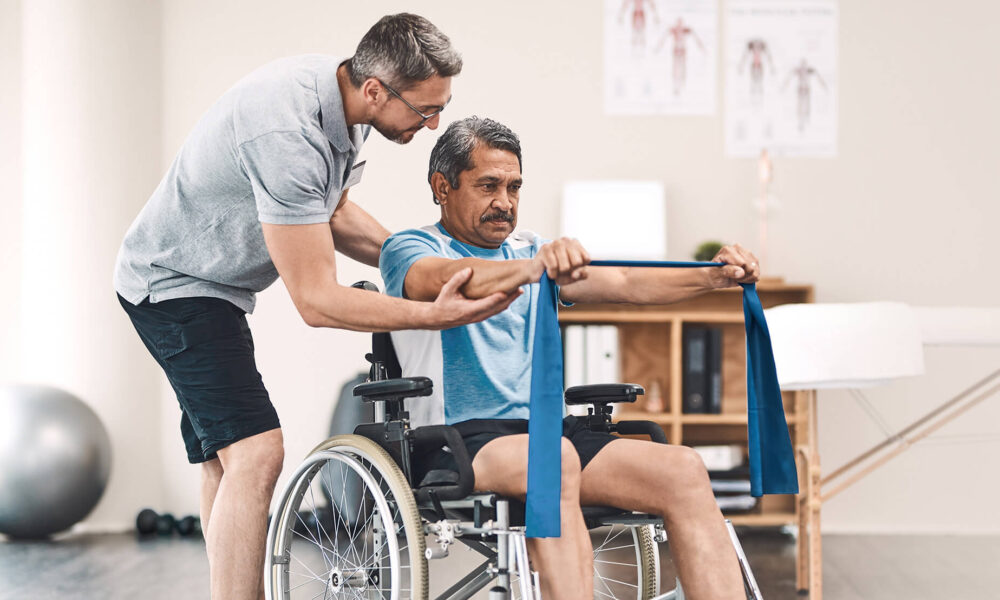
(772, 460)
(541, 517)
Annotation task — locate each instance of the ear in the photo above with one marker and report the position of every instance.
(371, 90)
(440, 187)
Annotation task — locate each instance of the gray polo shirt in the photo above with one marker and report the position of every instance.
(273, 149)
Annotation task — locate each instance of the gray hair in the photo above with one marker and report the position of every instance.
(452, 153)
(403, 50)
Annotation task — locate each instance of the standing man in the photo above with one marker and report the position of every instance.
(258, 191)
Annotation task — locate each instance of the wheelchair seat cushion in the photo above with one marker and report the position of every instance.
(478, 432)
(436, 477)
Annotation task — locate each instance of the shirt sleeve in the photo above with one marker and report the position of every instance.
(289, 174)
(399, 252)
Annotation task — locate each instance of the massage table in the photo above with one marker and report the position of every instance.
(854, 346)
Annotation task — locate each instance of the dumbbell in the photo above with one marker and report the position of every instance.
(189, 526)
(148, 521)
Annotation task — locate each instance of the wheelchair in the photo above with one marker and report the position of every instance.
(353, 521)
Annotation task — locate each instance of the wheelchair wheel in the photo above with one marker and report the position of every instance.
(368, 544)
(626, 563)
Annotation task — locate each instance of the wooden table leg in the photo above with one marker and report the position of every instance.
(809, 545)
(814, 502)
(815, 537)
(802, 540)
(816, 566)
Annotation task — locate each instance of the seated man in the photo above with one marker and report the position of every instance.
(483, 370)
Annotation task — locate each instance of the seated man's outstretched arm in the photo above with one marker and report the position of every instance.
(565, 261)
(639, 285)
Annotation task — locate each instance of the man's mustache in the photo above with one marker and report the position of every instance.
(497, 216)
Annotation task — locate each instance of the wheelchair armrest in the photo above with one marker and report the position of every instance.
(654, 431)
(365, 285)
(437, 436)
(394, 389)
(603, 393)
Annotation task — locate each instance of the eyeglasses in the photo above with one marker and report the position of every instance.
(423, 118)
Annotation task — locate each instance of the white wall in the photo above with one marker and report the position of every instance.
(905, 212)
(90, 106)
(10, 175)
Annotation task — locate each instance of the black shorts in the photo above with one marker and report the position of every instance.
(205, 348)
(479, 432)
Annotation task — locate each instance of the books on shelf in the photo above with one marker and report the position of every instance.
(731, 486)
(739, 472)
(723, 457)
(702, 369)
(742, 502)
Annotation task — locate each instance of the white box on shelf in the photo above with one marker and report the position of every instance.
(722, 457)
(617, 219)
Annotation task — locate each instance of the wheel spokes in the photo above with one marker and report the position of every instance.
(352, 544)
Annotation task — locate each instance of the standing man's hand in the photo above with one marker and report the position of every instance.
(741, 267)
(451, 308)
(565, 260)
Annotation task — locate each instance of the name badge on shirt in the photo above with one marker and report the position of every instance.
(355, 177)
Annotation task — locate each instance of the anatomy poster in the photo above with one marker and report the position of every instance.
(660, 57)
(781, 77)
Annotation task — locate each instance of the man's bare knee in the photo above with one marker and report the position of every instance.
(257, 459)
(688, 490)
(689, 465)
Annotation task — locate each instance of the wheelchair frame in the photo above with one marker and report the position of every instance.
(451, 512)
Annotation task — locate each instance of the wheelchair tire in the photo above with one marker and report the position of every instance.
(626, 565)
(650, 558)
(639, 580)
(344, 551)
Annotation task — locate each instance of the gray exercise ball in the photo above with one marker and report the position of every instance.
(55, 456)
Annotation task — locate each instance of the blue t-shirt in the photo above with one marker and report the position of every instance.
(481, 370)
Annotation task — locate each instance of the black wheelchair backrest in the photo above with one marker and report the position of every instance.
(382, 350)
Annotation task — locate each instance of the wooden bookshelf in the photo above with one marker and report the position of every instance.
(649, 349)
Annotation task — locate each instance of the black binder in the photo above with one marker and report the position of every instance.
(713, 364)
(694, 383)
(702, 370)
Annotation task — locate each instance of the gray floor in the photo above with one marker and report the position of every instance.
(856, 567)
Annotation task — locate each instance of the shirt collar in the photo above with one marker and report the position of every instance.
(332, 109)
(476, 251)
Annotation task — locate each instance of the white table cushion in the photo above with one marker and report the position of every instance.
(850, 345)
(960, 326)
